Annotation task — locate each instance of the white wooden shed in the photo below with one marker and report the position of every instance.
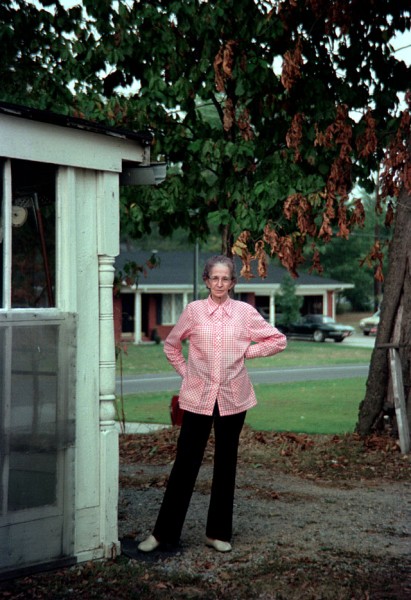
(59, 236)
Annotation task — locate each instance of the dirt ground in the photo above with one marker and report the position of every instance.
(316, 518)
(323, 517)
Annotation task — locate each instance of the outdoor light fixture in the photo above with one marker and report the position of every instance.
(152, 174)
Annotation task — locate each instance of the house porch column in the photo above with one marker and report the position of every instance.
(272, 309)
(331, 304)
(137, 317)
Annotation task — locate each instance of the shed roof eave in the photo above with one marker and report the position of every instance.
(49, 143)
(46, 116)
(159, 288)
(262, 289)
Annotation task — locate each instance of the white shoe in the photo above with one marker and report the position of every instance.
(149, 544)
(218, 545)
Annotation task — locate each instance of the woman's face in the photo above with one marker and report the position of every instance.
(219, 282)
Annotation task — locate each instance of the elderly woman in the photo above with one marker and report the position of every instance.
(216, 391)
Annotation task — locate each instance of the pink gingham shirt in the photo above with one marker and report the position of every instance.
(221, 337)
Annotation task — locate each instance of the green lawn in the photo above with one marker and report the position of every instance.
(149, 358)
(329, 407)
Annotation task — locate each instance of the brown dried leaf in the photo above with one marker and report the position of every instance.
(218, 72)
(240, 247)
(271, 238)
(228, 57)
(229, 114)
(375, 257)
(343, 221)
(358, 214)
(316, 261)
(298, 205)
(261, 256)
(295, 134)
(367, 141)
(396, 170)
(291, 70)
(290, 254)
(223, 64)
(244, 125)
(326, 231)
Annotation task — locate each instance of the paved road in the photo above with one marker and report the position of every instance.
(169, 382)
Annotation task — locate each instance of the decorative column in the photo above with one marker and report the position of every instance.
(107, 347)
(330, 304)
(109, 447)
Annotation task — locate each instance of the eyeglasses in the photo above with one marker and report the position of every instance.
(224, 280)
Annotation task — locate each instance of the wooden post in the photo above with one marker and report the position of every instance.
(399, 400)
(398, 395)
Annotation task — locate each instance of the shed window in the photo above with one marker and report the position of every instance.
(28, 235)
(37, 368)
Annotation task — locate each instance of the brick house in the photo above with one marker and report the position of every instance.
(153, 306)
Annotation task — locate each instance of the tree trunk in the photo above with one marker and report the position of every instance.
(227, 241)
(397, 294)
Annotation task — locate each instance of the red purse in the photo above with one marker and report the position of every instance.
(176, 413)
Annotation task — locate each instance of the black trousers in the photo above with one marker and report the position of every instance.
(194, 434)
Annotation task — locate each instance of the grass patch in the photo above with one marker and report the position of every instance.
(325, 407)
(149, 358)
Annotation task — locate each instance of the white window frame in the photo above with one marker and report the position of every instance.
(178, 301)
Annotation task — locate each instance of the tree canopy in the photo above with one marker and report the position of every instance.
(268, 112)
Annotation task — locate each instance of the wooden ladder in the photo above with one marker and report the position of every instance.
(398, 396)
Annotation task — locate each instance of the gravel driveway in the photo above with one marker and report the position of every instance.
(352, 528)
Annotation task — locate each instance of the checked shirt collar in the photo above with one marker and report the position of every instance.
(227, 306)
